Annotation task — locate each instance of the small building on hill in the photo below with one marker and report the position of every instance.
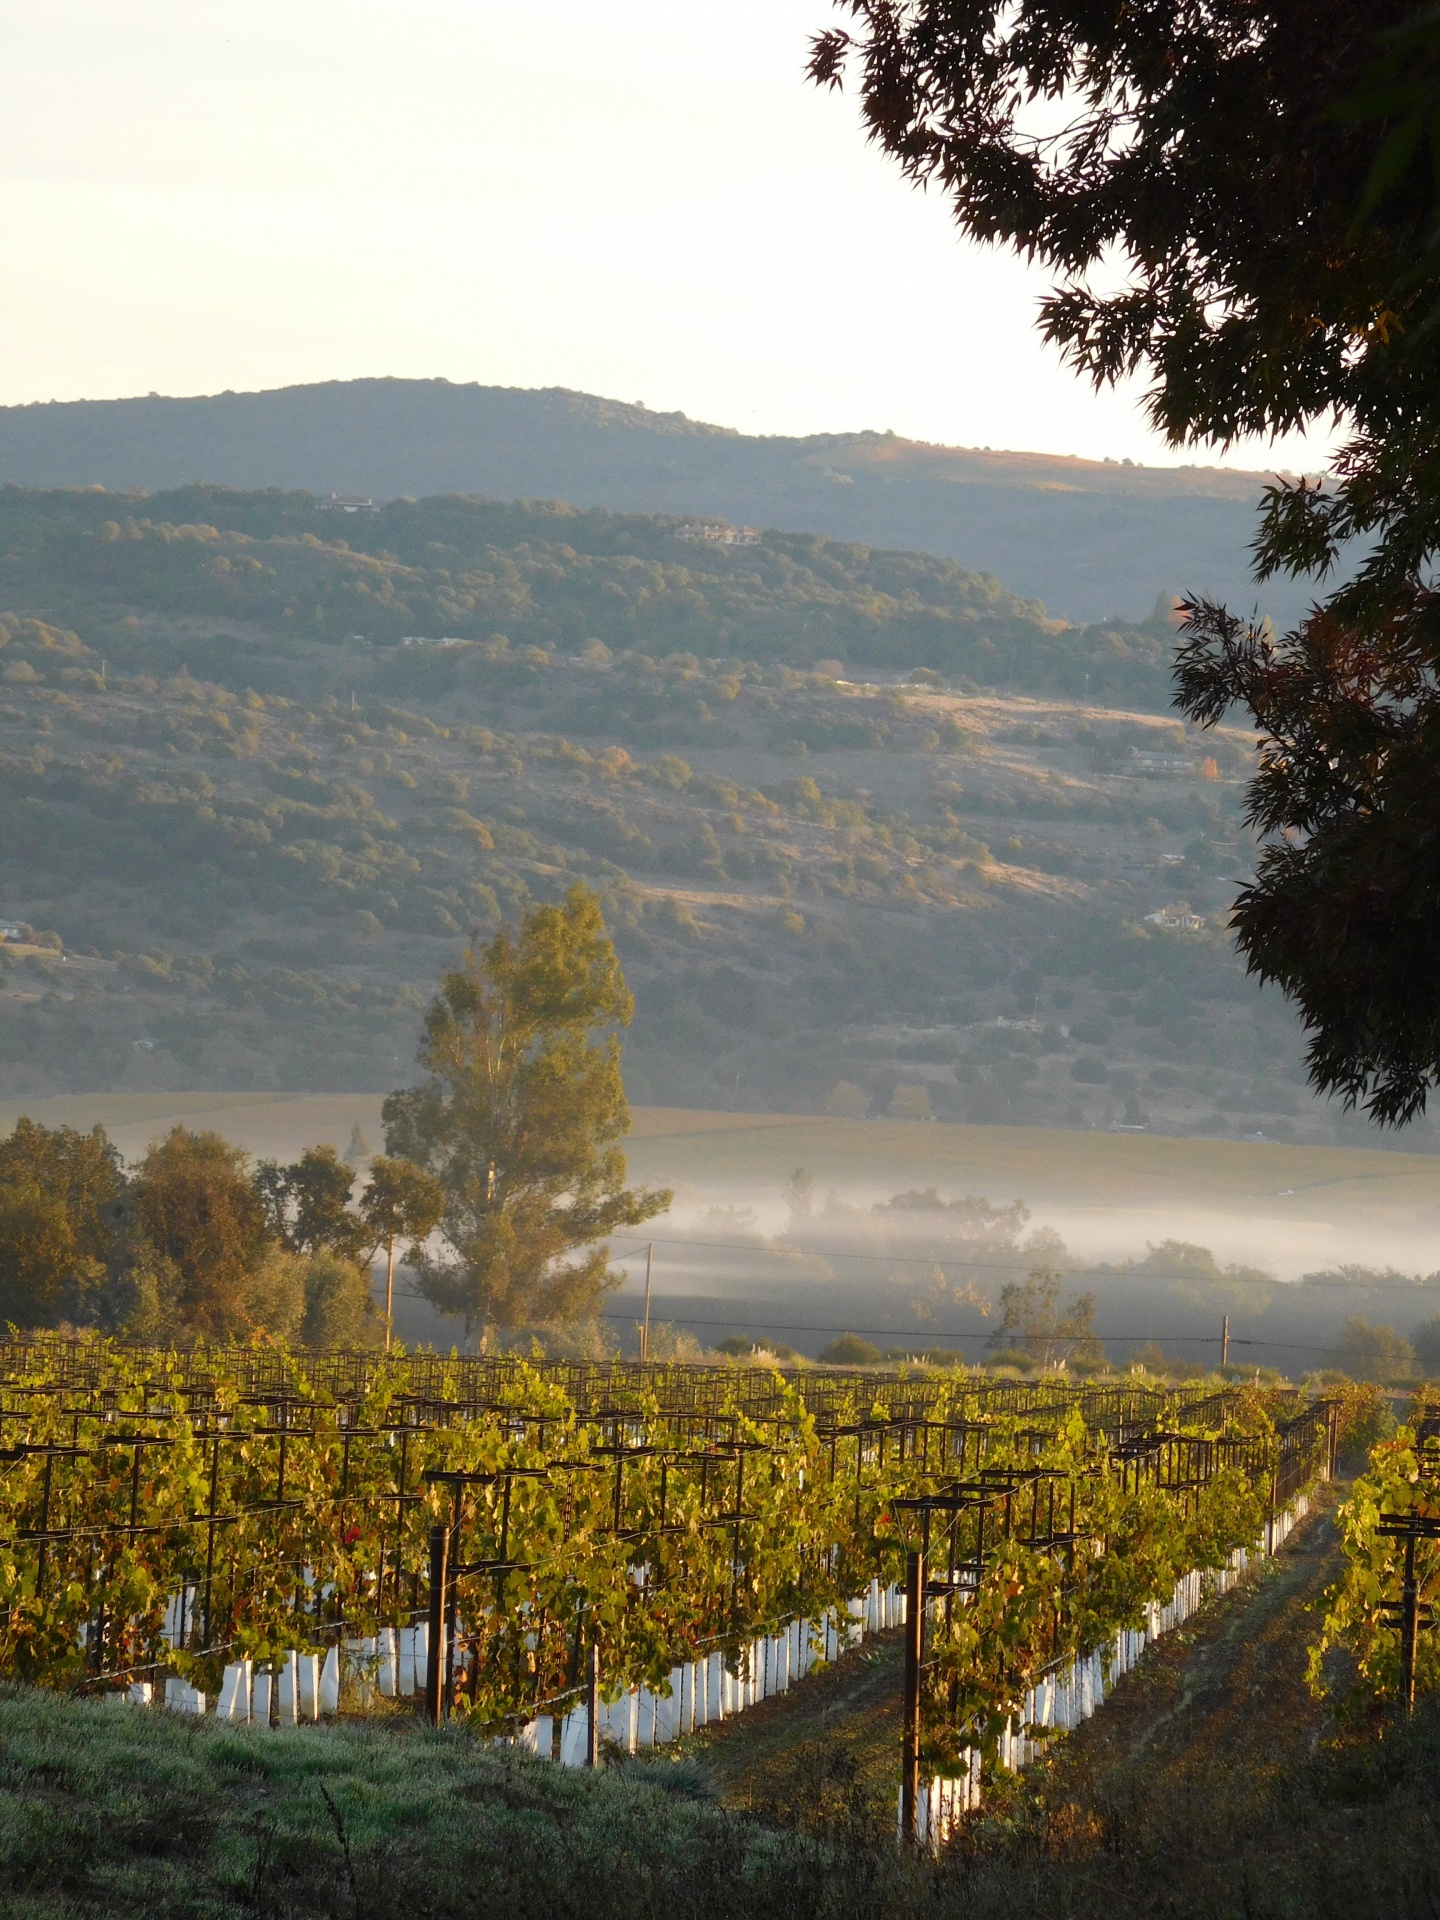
(1178, 918)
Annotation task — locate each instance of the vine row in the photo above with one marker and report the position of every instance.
(168, 1513)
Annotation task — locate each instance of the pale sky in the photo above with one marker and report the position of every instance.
(638, 198)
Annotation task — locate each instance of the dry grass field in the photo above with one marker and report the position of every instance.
(1044, 1163)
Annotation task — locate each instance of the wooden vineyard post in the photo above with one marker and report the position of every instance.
(592, 1707)
(436, 1662)
(210, 1533)
(914, 1650)
(452, 1606)
(1409, 1596)
(1274, 1499)
(1406, 1613)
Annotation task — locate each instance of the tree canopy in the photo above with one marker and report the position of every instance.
(193, 1244)
(1198, 144)
(1261, 177)
(307, 1204)
(519, 1120)
(58, 1194)
(196, 1210)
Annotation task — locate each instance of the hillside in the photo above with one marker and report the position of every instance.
(253, 831)
(1089, 538)
(299, 575)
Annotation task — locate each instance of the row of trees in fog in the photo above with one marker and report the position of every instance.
(502, 1178)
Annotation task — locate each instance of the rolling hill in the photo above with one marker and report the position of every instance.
(1091, 539)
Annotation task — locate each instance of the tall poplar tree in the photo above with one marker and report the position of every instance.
(519, 1118)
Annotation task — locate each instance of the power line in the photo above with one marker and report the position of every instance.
(931, 1335)
(975, 1333)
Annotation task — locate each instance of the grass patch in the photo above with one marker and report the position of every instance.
(116, 1811)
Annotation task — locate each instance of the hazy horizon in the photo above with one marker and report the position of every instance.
(609, 198)
(1178, 459)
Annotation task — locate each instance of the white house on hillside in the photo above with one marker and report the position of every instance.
(1179, 918)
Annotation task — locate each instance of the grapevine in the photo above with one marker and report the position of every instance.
(1392, 1514)
(170, 1511)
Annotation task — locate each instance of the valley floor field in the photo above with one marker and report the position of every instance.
(1287, 1207)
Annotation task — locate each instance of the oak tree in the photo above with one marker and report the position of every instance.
(1238, 200)
(58, 1195)
(195, 1212)
(307, 1204)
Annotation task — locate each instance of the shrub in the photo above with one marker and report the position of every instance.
(846, 1101)
(850, 1350)
(911, 1101)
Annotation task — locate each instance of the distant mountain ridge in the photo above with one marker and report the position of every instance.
(1089, 538)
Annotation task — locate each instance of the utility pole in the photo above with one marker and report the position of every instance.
(1225, 1341)
(914, 1652)
(645, 1328)
(390, 1294)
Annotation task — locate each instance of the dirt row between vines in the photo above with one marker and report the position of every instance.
(1227, 1689)
(1212, 1781)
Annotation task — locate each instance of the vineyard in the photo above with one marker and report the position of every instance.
(616, 1550)
(1386, 1597)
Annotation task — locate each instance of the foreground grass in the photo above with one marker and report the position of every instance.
(109, 1810)
(105, 1811)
